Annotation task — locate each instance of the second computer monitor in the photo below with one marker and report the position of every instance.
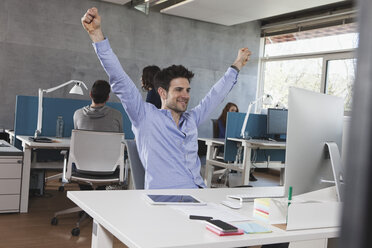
(277, 122)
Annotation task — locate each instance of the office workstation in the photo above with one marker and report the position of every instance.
(258, 150)
(308, 171)
(118, 215)
(25, 126)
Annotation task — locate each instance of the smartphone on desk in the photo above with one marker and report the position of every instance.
(222, 226)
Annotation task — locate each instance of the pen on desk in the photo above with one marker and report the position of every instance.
(198, 217)
(289, 195)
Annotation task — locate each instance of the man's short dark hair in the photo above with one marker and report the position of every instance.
(148, 74)
(165, 76)
(100, 91)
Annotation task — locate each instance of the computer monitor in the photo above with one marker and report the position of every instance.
(277, 122)
(313, 120)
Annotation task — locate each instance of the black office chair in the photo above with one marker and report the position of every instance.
(218, 152)
(215, 128)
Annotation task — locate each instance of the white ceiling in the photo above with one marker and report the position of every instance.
(121, 2)
(231, 12)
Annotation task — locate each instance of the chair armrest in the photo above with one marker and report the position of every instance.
(122, 165)
(121, 173)
(64, 153)
(65, 159)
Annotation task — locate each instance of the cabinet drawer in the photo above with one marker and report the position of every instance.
(10, 170)
(9, 203)
(10, 160)
(10, 186)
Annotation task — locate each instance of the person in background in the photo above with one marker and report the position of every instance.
(221, 127)
(148, 74)
(97, 116)
(221, 121)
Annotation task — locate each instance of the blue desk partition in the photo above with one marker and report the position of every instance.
(256, 127)
(25, 121)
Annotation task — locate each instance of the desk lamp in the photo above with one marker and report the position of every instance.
(266, 100)
(75, 90)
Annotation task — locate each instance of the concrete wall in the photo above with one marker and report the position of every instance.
(42, 44)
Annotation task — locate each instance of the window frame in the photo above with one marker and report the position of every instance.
(325, 56)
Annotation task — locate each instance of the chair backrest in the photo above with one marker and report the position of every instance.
(96, 152)
(215, 127)
(136, 168)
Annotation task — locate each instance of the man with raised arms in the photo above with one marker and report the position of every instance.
(167, 137)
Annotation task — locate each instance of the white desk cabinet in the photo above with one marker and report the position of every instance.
(10, 177)
(28, 147)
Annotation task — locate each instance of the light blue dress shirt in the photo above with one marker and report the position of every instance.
(168, 153)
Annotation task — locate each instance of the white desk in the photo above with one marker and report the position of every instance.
(136, 223)
(246, 165)
(211, 144)
(59, 143)
(248, 146)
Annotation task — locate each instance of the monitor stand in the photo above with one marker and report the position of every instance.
(335, 159)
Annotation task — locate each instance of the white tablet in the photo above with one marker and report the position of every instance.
(173, 200)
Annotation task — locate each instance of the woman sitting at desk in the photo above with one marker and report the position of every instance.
(221, 121)
(221, 126)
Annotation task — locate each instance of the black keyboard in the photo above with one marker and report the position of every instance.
(41, 139)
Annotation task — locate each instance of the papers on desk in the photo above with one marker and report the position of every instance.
(252, 227)
(214, 210)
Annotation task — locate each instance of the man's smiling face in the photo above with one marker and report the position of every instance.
(178, 95)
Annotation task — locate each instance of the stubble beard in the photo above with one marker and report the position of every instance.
(176, 109)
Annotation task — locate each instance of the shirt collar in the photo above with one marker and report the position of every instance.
(168, 114)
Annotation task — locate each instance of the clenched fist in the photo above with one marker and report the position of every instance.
(91, 22)
(242, 58)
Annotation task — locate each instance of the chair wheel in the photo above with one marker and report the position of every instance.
(61, 189)
(54, 221)
(75, 231)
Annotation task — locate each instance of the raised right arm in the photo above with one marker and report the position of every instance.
(120, 82)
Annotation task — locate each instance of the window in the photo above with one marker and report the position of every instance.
(321, 60)
(340, 79)
(319, 40)
(301, 73)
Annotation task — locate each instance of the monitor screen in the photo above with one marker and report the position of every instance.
(313, 120)
(277, 121)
